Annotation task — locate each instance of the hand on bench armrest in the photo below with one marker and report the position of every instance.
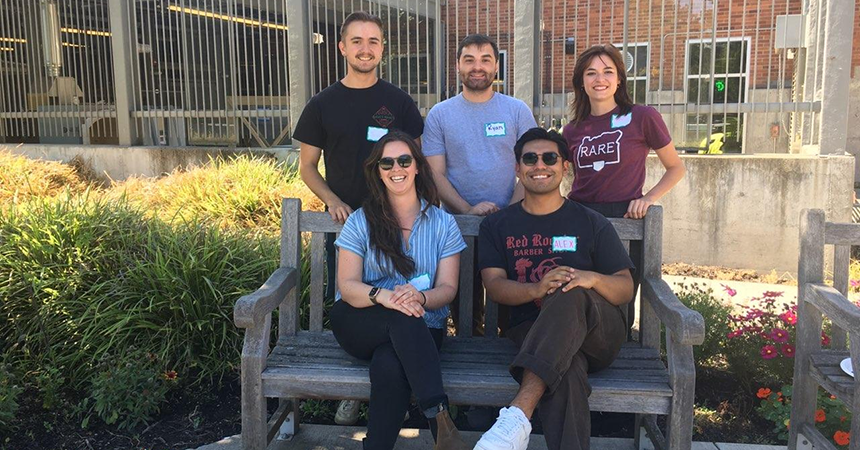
(687, 325)
(834, 305)
(252, 308)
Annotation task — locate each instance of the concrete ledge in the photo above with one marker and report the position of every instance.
(332, 437)
(119, 163)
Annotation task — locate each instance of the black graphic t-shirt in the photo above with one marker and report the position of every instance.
(346, 123)
(529, 246)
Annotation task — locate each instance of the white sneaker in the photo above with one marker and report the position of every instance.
(347, 412)
(510, 432)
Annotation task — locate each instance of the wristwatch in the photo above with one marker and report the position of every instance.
(372, 296)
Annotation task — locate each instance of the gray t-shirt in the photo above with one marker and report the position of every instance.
(478, 140)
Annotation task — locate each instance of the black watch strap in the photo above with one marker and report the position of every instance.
(372, 296)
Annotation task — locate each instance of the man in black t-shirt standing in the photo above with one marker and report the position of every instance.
(565, 273)
(342, 123)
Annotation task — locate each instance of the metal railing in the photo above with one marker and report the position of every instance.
(737, 75)
(56, 77)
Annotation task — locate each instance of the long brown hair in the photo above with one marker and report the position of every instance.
(385, 232)
(580, 108)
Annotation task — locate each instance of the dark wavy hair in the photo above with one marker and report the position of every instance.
(580, 108)
(537, 134)
(385, 232)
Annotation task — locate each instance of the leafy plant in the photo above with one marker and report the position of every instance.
(716, 315)
(832, 418)
(128, 390)
(9, 392)
(319, 409)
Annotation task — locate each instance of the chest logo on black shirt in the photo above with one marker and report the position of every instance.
(599, 151)
(383, 117)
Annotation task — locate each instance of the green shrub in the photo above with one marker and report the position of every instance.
(83, 277)
(9, 392)
(323, 410)
(127, 390)
(716, 315)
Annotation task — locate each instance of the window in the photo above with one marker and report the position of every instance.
(413, 73)
(727, 85)
(500, 83)
(636, 60)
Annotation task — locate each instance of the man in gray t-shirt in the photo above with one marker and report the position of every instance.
(469, 139)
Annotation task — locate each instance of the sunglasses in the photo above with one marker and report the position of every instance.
(531, 158)
(387, 163)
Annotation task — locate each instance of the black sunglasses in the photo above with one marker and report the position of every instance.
(531, 158)
(387, 163)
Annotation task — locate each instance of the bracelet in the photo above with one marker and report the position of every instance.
(425, 298)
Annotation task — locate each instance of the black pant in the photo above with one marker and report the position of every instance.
(576, 333)
(404, 357)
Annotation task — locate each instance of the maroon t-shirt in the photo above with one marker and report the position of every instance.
(608, 153)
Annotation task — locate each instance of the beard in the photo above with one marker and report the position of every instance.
(478, 85)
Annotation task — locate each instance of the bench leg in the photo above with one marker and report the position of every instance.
(290, 427)
(682, 377)
(638, 431)
(253, 414)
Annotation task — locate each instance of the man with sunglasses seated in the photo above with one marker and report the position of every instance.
(565, 273)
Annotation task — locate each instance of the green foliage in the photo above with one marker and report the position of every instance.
(49, 381)
(716, 315)
(127, 390)
(319, 409)
(832, 418)
(9, 392)
(83, 277)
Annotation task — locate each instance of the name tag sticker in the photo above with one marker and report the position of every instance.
(374, 134)
(621, 121)
(495, 129)
(421, 282)
(564, 243)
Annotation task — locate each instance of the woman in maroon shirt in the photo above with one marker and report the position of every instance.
(609, 139)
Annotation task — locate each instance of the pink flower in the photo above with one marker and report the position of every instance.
(769, 352)
(734, 334)
(825, 340)
(789, 317)
(754, 313)
(787, 350)
(772, 294)
(779, 335)
(854, 283)
(729, 290)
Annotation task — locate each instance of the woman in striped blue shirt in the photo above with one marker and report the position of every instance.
(398, 264)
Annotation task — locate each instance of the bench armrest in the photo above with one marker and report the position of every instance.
(687, 325)
(835, 306)
(252, 308)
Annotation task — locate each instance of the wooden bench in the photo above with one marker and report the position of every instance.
(815, 365)
(310, 364)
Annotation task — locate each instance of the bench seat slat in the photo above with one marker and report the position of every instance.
(474, 370)
(826, 371)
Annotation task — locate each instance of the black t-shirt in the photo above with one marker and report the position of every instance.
(529, 246)
(346, 123)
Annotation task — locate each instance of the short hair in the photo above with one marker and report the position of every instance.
(480, 40)
(359, 16)
(539, 134)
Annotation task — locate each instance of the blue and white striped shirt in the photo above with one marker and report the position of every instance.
(435, 236)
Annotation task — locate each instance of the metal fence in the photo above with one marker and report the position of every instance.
(728, 75)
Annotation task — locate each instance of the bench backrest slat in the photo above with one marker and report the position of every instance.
(317, 224)
(291, 255)
(317, 256)
(466, 288)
